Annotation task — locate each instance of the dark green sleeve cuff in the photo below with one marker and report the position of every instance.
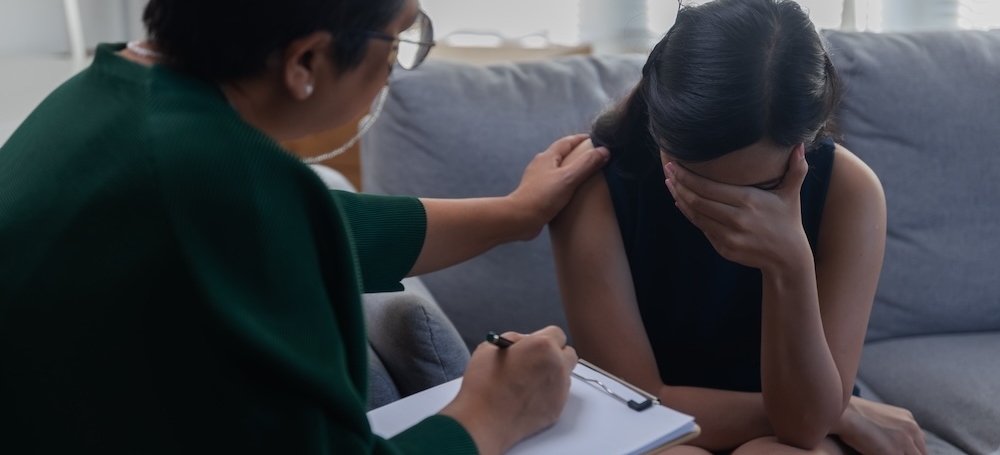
(437, 434)
(388, 234)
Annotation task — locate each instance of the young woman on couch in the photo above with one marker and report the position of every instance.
(727, 258)
(173, 281)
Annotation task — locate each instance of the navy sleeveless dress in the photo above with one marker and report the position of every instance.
(702, 313)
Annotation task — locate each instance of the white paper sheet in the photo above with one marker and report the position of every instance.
(591, 422)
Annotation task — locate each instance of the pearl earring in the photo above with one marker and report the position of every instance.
(309, 90)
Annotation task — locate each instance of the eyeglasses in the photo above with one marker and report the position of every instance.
(412, 45)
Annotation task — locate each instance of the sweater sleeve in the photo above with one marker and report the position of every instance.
(449, 437)
(388, 234)
(273, 326)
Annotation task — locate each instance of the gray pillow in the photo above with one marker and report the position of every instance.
(453, 130)
(923, 110)
(950, 384)
(414, 340)
(935, 445)
(381, 388)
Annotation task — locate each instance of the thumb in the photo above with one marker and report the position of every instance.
(563, 147)
(583, 167)
(798, 167)
(513, 336)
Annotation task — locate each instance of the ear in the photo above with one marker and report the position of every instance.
(300, 62)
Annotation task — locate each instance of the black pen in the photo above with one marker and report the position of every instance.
(498, 340)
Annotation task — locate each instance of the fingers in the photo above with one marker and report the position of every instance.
(715, 230)
(553, 332)
(570, 359)
(567, 353)
(563, 147)
(797, 170)
(696, 207)
(727, 194)
(920, 440)
(585, 166)
(513, 336)
(557, 336)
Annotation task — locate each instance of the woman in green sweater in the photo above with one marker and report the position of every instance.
(173, 281)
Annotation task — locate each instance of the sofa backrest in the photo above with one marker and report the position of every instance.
(453, 130)
(923, 110)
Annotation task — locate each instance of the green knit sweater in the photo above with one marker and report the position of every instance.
(173, 281)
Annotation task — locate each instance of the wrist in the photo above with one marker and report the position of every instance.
(794, 259)
(845, 421)
(525, 220)
(488, 436)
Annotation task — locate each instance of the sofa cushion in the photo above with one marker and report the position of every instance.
(935, 445)
(949, 382)
(453, 130)
(417, 344)
(922, 110)
(381, 388)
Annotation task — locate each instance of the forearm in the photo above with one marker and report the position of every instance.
(460, 229)
(802, 390)
(727, 418)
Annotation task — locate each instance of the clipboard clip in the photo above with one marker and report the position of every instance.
(597, 384)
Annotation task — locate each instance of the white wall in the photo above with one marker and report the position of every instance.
(616, 26)
(456, 20)
(907, 15)
(38, 27)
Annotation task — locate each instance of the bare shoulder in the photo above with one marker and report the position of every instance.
(852, 181)
(854, 215)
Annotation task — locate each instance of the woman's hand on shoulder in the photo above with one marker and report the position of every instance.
(552, 177)
(747, 225)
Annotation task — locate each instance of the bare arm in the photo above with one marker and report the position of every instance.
(847, 267)
(814, 316)
(595, 283)
(460, 229)
(849, 260)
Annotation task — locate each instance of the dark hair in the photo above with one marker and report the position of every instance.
(728, 74)
(224, 40)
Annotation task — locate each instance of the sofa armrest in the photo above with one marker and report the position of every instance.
(417, 344)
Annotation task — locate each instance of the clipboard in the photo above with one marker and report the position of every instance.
(593, 420)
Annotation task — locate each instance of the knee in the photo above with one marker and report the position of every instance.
(770, 446)
(757, 446)
(685, 450)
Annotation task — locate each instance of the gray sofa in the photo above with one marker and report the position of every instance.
(923, 110)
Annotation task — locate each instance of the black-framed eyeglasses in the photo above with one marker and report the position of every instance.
(412, 45)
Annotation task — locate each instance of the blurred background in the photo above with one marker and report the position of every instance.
(39, 27)
(43, 42)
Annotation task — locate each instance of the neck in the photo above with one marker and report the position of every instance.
(254, 102)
